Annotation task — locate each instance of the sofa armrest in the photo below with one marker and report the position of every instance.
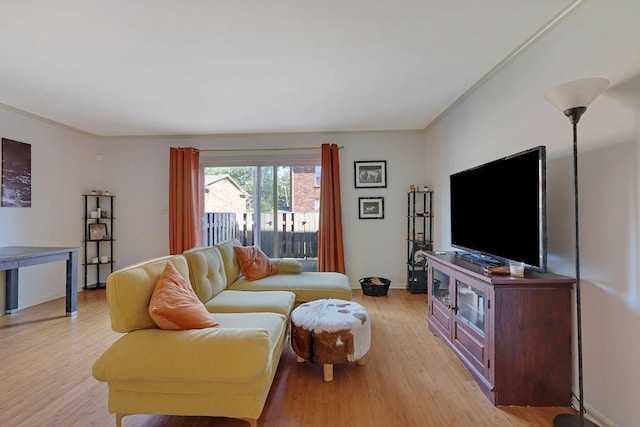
(212, 354)
(287, 265)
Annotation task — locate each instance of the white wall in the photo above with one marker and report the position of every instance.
(63, 167)
(509, 114)
(138, 174)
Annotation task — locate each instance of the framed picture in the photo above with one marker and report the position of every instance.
(98, 231)
(370, 174)
(371, 207)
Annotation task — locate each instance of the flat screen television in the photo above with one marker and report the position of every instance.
(498, 210)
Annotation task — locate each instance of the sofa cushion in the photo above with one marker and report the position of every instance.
(229, 301)
(240, 351)
(254, 263)
(308, 286)
(174, 305)
(129, 291)
(206, 271)
(230, 260)
(287, 265)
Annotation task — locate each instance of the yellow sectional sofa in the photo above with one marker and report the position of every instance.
(225, 371)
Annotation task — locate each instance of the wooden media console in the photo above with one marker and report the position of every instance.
(513, 334)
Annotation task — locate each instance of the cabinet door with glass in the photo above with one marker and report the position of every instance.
(471, 321)
(440, 299)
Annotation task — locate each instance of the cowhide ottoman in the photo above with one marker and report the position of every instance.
(330, 331)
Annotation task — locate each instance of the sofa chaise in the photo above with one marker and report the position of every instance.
(208, 278)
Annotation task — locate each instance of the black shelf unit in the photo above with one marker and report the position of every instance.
(94, 272)
(419, 237)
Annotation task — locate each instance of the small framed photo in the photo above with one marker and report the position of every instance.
(98, 231)
(371, 207)
(370, 174)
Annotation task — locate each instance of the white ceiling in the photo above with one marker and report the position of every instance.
(171, 67)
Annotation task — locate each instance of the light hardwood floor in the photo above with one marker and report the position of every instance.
(411, 378)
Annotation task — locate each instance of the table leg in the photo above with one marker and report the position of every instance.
(72, 284)
(11, 302)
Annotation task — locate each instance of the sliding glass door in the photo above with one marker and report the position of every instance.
(274, 207)
(265, 209)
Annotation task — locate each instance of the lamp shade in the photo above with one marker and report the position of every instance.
(577, 93)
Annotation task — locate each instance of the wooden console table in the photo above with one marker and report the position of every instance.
(14, 257)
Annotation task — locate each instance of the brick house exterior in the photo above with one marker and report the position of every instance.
(223, 194)
(305, 194)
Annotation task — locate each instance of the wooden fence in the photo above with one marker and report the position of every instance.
(219, 226)
(297, 231)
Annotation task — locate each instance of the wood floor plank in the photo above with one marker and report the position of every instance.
(410, 379)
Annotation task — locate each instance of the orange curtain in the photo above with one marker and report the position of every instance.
(186, 205)
(330, 248)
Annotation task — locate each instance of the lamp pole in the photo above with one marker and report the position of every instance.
(572, 98)
(562, 420)
(570, 420)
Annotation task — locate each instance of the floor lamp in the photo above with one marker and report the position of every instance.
(572, 99)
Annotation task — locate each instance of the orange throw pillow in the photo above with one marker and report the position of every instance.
(254, 263)
(174, 305)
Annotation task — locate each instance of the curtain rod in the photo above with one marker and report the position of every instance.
(261, 149)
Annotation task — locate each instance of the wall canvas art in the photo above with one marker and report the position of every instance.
(16, 174)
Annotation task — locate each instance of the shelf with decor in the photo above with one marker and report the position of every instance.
(98, 239)
(419, 238)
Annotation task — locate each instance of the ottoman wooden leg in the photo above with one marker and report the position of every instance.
(362, 360)
(328, 372)
(299, 359)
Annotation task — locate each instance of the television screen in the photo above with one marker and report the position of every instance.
(498, 209)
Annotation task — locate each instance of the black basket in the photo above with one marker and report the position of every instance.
(372, 290)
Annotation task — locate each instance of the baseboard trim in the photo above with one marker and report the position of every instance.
(594, 415)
